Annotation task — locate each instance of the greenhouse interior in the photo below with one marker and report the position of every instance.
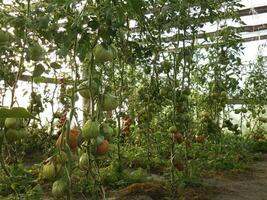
(133, 99)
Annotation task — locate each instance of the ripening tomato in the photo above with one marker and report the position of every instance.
(188, 144)
(73, 139)
(126, 129)
(127, 122)
(102, 148)
(200, 138)
(179, 166)
(178, 137)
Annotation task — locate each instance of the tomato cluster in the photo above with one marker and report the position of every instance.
(62, 119)
(126, 125)
(62, 91)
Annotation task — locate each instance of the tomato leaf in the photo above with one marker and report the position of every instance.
(16, 112)
(39, 79)
(55, 65)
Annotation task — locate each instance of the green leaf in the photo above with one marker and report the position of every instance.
(38, 70)
(136, 4)
(16, 112)
(39, 79)
(55, 65)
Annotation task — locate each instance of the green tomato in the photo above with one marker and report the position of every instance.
(22, 133)
(12, 135)
(110, 102)
(85, 87)
(59, 188)
(49, 171)
(69, 93)
(35, 52)
(62, 157)
(14, 123)
(90, 129)
(173, 129)
(166, 65)
(103, 54)
(2, 122)
(164, 91)
(99, 139)
(5, 38)
(107, 131)
(84, 161)
(43, 22)
(205, 115)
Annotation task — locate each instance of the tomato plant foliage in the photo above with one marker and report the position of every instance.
(133, 88)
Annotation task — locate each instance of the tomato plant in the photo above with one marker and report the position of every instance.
(122, 92)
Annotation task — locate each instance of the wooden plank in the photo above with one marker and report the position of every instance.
(240, 101)
(43, 79)
(242, 29)
(249, 39)
(255, 38)
(242, 13)
(53, 81)
(235, 101)
(254, 28)
(248, 11)
(57, 81)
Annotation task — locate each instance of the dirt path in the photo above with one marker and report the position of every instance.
(247, 186)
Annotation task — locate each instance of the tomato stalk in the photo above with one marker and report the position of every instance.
(52, 107)
(68, 124)
(21, 62)
(121, 66)
(100, 118)
(173, 185)
(148, 140)
(3, 165)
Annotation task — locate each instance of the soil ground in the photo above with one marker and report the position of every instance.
(251, 185)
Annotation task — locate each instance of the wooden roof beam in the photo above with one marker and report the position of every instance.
(248, 11)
